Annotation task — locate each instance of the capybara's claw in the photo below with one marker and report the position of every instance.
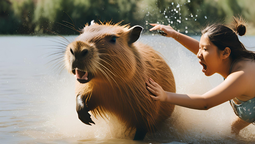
(82, 111)
(85, 117)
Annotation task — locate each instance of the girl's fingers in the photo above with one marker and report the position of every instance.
(149, 84)
(151, 89)
(153, 24)
(154, 97)
(152, 82)
(156, 27)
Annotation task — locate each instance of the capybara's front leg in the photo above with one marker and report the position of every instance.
(82, 111)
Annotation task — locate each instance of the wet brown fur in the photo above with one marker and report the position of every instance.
(120, 71)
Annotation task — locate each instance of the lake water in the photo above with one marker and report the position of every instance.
(37, 102)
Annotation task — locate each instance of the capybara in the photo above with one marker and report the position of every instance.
(112, 68)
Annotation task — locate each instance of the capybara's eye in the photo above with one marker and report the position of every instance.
(84, 52)
(113, 39)
(71, 51)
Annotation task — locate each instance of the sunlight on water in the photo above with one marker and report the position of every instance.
(46, 112)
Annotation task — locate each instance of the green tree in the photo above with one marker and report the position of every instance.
(8, 21)
(24, 12)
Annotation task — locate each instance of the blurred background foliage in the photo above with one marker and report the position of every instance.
(67, 16)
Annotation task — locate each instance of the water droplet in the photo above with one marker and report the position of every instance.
(188, 1)
(172, 3)
(186, 27)
(196, 15)
(191, 15)
(165, 16)
(205, 17)
(171, 22)
(177, 6)
(186, 31)
(186, 18)
(195, 19)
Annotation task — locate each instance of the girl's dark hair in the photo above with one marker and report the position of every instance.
(223, 36)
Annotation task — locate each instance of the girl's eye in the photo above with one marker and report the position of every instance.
(113, 39)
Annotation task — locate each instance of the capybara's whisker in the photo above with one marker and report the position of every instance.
(63, 40)
(57, 59)
(60, 43)
(104, 61)
(57, 66)
(107, 76)
(58, 35)
(72, 28)
(104, 54)
(58, 47)
(55, 54)
(107, 71)
(106, 68)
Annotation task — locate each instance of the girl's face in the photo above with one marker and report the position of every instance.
(209, 56)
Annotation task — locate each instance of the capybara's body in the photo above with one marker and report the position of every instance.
(111, 70)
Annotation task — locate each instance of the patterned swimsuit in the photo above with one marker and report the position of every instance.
(244, 110)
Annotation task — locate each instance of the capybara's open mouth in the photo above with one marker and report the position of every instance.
(81, 76)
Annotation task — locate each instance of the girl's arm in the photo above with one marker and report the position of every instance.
(188, 42)
(235, 84)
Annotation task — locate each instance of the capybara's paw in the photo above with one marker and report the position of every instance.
(82, 111)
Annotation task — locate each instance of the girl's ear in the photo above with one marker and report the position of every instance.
(226, 52)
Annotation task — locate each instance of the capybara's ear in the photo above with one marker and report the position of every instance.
(134, 33)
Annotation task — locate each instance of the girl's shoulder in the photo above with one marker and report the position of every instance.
(244, 70)
(246, 65)
(242, 76)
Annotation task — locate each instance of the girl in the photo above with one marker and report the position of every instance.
(219, 51)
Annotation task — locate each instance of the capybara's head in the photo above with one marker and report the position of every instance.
(103, 52)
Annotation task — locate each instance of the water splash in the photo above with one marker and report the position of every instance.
(173, 15)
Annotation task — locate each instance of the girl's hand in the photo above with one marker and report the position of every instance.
(168, 30)
(157, 91)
